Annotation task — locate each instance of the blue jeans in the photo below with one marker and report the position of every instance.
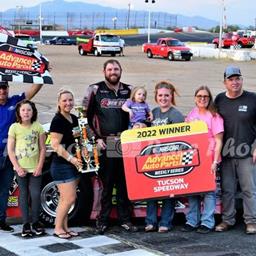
(194, 216)
(30, 187)
(6, 178)
(167, 213)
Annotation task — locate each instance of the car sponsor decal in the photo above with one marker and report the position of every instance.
(112, 103)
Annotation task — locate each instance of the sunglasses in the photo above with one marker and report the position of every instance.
(203, 96)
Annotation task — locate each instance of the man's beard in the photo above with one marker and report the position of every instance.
(113, 80)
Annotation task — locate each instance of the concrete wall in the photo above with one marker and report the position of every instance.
(119, 32)
(208, 51)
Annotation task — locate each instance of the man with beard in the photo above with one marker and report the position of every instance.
(107, 120)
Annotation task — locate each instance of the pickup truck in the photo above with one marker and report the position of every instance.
(170, 48)
(28, 40)
(100, 44)
(236, 40)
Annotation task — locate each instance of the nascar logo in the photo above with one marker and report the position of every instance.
(175, 158)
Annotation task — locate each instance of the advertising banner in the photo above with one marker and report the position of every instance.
(167, 161)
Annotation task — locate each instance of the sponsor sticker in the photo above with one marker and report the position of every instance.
(167, 159)
(13, 61)
(13, 201)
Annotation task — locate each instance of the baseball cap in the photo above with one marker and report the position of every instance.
(232, 71)
(3, 84)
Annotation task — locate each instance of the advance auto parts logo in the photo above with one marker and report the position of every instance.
(167, 159)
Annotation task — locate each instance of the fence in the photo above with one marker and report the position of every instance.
(71, 20)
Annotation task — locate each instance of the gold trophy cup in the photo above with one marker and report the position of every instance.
(86, 149)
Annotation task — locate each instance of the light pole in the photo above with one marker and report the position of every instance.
(221, 24)
(149, 21)
(128, 16)
(40, 23)
(254, 34)
(114, 19)
(19, 9)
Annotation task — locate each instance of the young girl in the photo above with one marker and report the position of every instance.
(165, 113)
(26, 149)
(205, 111)
(137, 108)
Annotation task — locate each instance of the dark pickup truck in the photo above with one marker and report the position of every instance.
(61, 40)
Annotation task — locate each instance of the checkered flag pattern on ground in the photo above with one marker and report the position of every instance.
(187, 157)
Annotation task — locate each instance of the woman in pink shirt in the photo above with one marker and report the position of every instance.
(205, 110)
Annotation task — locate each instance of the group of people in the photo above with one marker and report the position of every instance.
(113, 107)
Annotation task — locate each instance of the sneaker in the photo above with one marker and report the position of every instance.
(223, 226)
(203, 230)
(127, 226)
(38, 228)
(150, 228)
(188, 228)
(5, 228)
(101, 228)
(163, 229)
(250, 228)
(26, 230)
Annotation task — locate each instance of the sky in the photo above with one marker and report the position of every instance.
(242, 12)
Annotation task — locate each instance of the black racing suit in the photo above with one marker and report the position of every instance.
(108, 120)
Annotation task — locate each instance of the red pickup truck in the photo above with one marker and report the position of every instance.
(236, 40)
(170, 48)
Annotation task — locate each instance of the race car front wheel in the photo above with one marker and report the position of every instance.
(79, 213)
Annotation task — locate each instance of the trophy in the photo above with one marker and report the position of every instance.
(86, 149)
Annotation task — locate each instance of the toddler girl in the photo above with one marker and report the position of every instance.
(138, 109)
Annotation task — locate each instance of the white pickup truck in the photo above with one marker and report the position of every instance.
(28, 40)
(100, 44)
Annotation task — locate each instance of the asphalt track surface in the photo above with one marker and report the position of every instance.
(184, 37)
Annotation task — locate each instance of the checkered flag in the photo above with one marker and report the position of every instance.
(187, 157)
(36, 73)
(36, 65)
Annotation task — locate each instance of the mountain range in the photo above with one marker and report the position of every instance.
(85, 15)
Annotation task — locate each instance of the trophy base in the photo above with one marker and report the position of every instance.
(89, 170)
